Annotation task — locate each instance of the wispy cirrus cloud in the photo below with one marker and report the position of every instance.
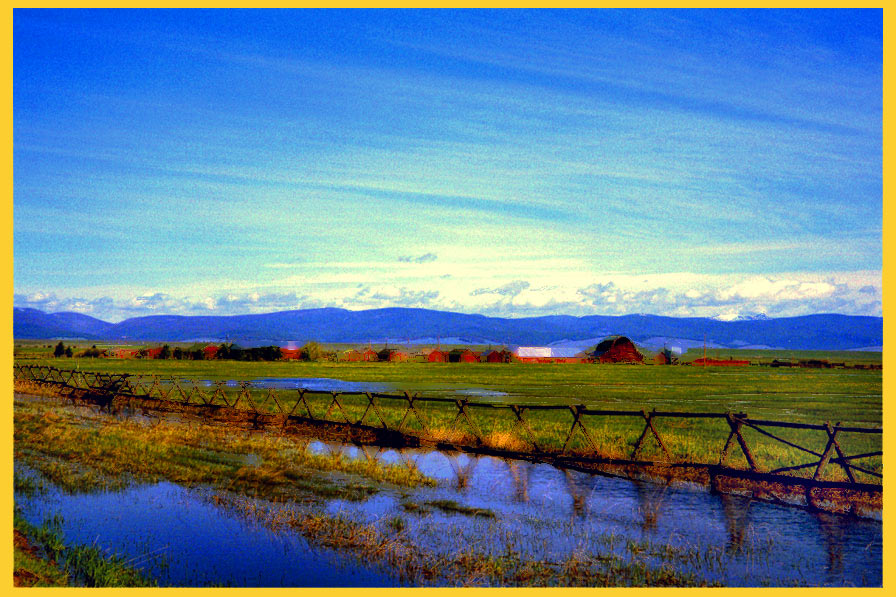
(503, 162)
(425, 258)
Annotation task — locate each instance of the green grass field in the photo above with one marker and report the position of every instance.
(803, 395)
(764, 357)
(845, 396)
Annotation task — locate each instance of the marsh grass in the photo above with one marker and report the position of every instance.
(454, 507)
(89, 453)
(53, 562)
(394, 550)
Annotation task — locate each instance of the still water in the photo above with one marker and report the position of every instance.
(180, 538)
(536, 510)
(548, 513)
(327, 384)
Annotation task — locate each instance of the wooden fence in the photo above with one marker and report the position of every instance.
(814, 457)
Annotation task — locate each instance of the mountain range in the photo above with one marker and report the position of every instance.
(809, 332)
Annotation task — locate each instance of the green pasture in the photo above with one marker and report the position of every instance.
(801, 395)
(765, 357)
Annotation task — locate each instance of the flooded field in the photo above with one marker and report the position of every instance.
(483, 521)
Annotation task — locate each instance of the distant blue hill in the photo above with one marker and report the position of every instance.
(810, 332)
(32, 323)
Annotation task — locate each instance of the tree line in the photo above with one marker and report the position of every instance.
(311, 351)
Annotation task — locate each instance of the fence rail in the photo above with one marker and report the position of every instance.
(838, 456)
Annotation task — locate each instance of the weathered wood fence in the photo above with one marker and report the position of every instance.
(753, 450)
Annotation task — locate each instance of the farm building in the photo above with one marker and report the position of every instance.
(815, 364)
(617, 349)
(351, 356)
(707, 362)
(462, 355)
(291, 354)
(370, 355)
(154, 352)
(780, 363)
(548, 354)
(665, 357)
(210, 351)
(437, 356)
(392, 355)
(496, 356)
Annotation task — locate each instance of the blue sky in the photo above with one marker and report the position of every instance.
(510, 162)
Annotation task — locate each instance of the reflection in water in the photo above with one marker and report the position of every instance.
(737, 520)
(834, 529)
(564, 510)
(650, 501)
(462, 467)
(577, 492)
(520, 470)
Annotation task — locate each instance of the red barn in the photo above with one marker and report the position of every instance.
(462, 355)
(291, 354)
(210, 351)
(495, 356)
(617, 349)
(370, 355)
(393, 355)
(437, 356)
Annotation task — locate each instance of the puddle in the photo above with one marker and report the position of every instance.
(321, 384)
(326, 384)
(317, 384)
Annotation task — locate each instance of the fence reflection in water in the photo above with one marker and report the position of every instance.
(645, 511)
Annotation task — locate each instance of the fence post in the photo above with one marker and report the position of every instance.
(735, 422)
(577, 421)
(649, 427)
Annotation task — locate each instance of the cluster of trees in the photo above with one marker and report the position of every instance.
(225, 351)
(62, 350)
(260, 353)
(312, 351)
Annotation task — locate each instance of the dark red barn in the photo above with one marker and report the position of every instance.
(617, 349)
(437, 356)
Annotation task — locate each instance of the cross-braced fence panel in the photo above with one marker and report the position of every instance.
(828, 452)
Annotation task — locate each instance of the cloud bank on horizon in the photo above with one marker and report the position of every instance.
(509, 162)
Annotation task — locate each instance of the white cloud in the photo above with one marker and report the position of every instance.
(480, 287)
